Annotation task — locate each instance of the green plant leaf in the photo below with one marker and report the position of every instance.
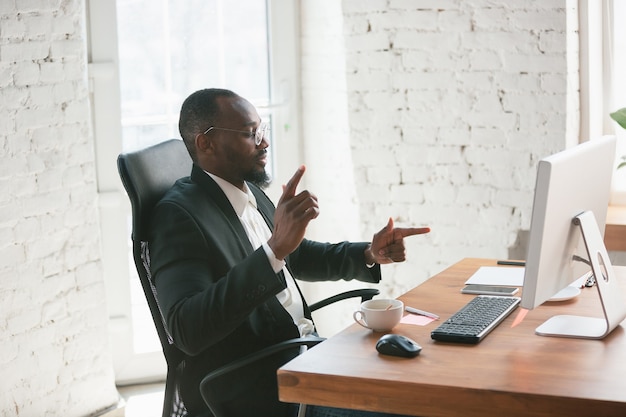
(620, 117)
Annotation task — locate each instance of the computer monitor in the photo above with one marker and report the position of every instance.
(565, 243)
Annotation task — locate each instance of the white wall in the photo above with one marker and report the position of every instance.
(450, 105)
(55, 358)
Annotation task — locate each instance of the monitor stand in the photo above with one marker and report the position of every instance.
(611, 295)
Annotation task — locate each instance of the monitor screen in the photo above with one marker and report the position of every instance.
(568, 183)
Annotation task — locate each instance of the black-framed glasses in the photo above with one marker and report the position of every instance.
(258, 134)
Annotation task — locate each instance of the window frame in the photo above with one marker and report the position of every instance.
(114, 206)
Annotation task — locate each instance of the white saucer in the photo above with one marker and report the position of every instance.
(566, 293)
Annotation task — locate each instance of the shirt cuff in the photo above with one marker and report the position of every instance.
(277, 264)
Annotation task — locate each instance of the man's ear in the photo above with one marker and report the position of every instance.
(203, 143)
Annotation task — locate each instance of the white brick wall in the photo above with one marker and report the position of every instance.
(55, 358)
(451, 105)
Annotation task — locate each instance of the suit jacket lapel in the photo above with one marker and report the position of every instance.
(221, 201)
(264, 205)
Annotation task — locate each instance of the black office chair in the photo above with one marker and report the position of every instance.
(146, 175)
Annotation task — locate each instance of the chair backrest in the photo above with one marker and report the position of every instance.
(146, 175)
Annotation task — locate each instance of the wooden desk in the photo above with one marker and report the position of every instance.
(615, 231)
(512, 372)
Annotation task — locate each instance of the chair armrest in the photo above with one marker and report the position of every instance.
(308, 341)
(210, 397)
(364, 293)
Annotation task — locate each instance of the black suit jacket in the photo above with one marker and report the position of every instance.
(218, 294)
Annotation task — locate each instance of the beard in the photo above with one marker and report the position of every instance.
(259, 178)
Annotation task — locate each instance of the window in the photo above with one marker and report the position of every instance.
(140, 74)
(173, 51)
(615, 39)
(603, 87)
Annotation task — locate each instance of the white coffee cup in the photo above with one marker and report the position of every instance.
(380, 315)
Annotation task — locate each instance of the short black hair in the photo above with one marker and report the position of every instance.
(199, 112)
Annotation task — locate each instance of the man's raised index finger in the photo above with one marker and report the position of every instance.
(293, 182)
(289, 190)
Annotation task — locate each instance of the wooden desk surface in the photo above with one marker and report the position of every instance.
(512, 372)
(615, 230)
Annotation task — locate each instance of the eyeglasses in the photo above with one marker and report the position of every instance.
(258, 134)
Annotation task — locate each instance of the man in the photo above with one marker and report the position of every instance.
(224, 258)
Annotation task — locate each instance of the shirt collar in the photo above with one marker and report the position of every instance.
(237, 198)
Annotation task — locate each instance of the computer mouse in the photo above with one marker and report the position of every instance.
(397, 345)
